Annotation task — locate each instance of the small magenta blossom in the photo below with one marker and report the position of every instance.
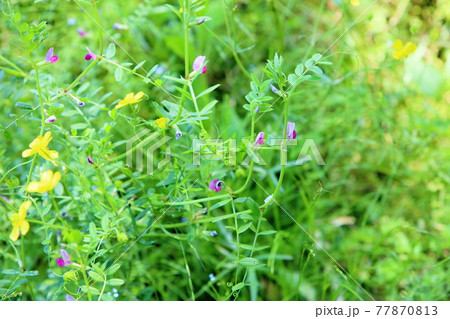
(90, 160)
(259, 139)
(49, 57)
(50, 119)
(216, 185)
(291, 133)
(69, 298)
(81, 32)
(90, 55)
(65, 260)
(199, 63)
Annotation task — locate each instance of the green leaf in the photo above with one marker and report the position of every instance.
(95, 276)
(220, 204)
(24, 106)
(110, 51)
(267, 232)
(10, 272)
(208, 90)
(30, 273)
(252, 205)
(316, 70)
(299, 69)
(247, 261)
(115, 282)
(243, 228)
(118, 74)
(105, 223)
(113, 269)
(238, 286)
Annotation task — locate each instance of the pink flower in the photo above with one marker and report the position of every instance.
(199, 63)
(216, 185)
(65, 260)
(81, 32)
(259, 139)
(90, 55)
(50, 119)
(90, 160)
(291, 133)
(49, 57)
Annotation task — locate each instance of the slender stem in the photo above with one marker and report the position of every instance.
(100, 31)
(75, 82)
(86, 280)
(238, 253)
(35, 221)
(191, 89)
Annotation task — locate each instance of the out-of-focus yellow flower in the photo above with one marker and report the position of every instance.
(20, 225)
(355, 3)
(402, 52)
(47, 183)
(131, 98)
(161, 122)
(181, 10)
(40, 146)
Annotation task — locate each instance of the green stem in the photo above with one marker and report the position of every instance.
(86, 280)
(100, 31)
(191, 89)
(237, 240)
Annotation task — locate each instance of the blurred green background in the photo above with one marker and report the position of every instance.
(379, 205)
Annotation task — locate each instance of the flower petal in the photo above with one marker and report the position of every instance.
(35, 187)
(198, 62)
(49, 54)
(14, 234)
(28, 153)
(139, 95)
(24, 227)
(65, 256)
(397, 45)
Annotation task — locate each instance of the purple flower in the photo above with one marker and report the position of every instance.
(81, 32)
(257, 109)
(198, 63)
(213, 233)
(79, 102)
(291, 133)
(201, 20)
(274, 89)
(69, 298)
(259, 139)
(216, 185)
(90, 160)
(49, 57)
(178, 133)
(65, 260)
(50, 119)
(90, 55)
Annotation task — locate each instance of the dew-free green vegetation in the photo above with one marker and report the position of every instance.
(80, 222)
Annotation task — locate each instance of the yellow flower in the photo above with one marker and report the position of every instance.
(400, 51)
(40, 146)
(131, 98)
(355, 3)
(161, 122)
(20, 225)
(47, 183)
